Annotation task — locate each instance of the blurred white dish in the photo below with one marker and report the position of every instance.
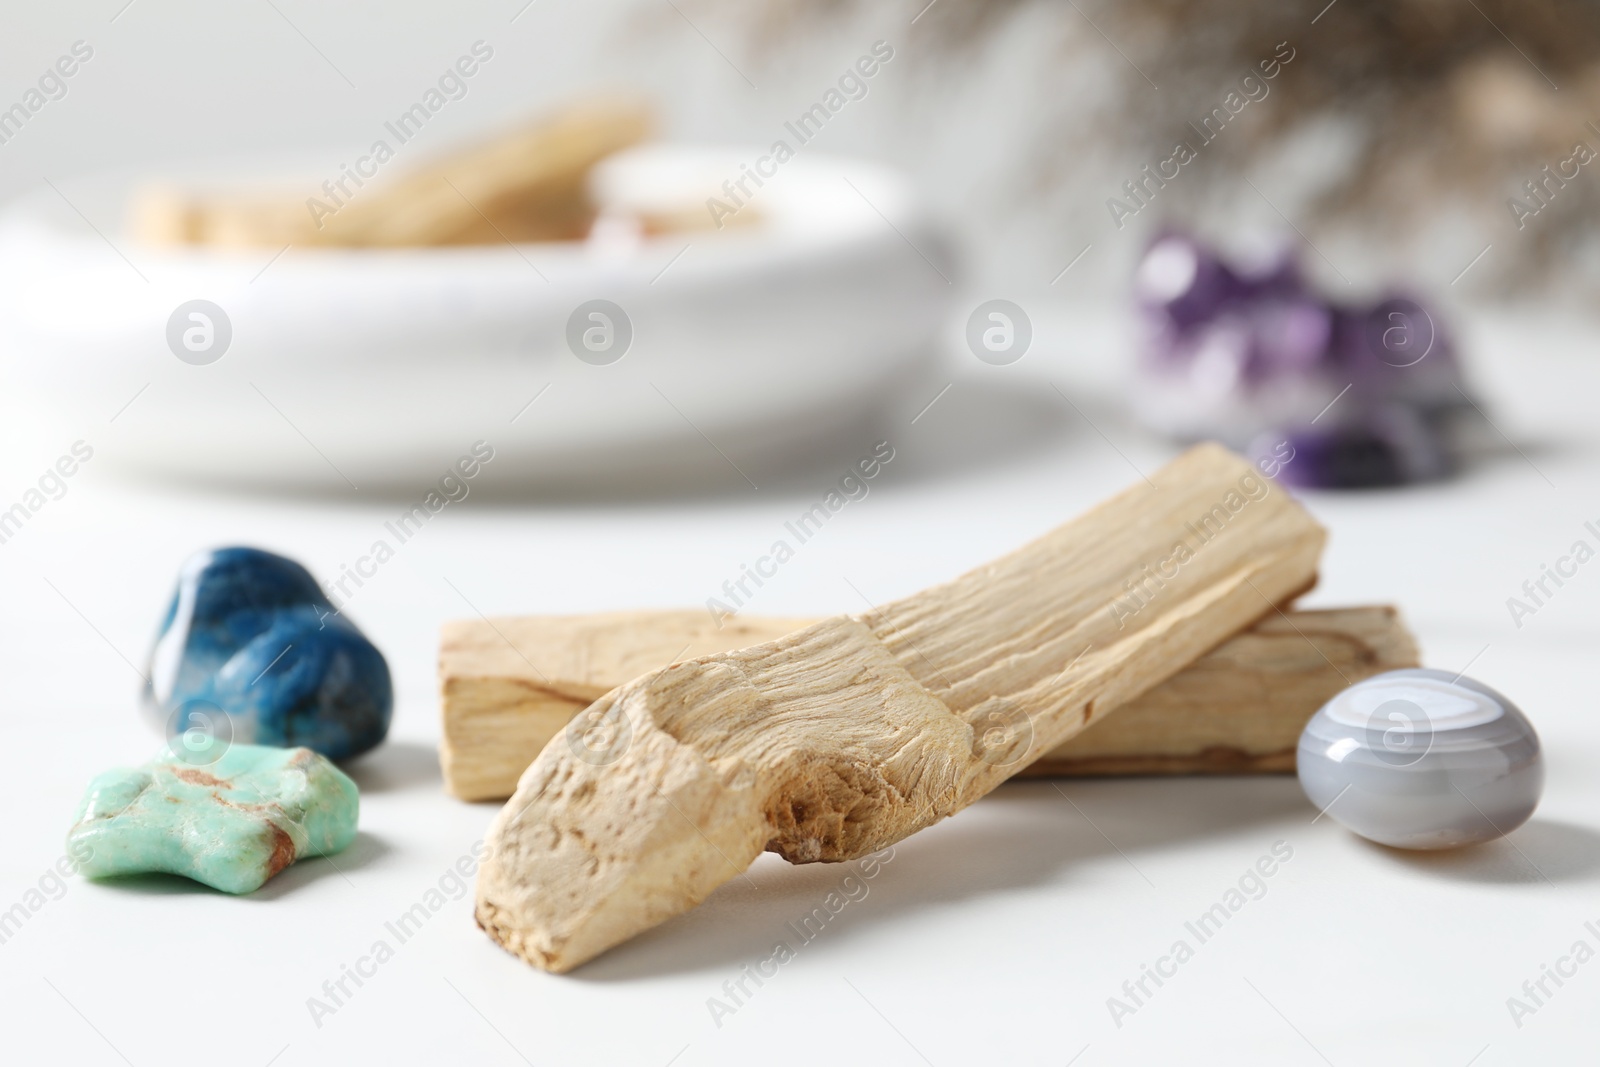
(379, 368)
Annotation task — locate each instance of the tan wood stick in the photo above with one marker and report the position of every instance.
(1240, 708)
(508, 685)
(527, 185)
(851, 734)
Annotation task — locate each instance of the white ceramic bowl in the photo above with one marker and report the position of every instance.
(378, 368)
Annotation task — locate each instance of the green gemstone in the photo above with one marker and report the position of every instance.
(232, 823)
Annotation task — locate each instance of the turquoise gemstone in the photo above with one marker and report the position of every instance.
(231, 823)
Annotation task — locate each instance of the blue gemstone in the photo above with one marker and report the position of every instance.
(250, 650)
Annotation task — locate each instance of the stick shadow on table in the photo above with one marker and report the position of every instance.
(1042, 836)
(1038, 839)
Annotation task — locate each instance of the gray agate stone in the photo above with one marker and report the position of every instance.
(1422, 759)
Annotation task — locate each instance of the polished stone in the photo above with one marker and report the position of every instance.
(232, 824)
(1422, 759)
(250, 650)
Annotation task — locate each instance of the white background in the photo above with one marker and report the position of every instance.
(995, 937)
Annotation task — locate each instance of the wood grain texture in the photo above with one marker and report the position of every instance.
(1240, 708)
(846, 736)
(508, 685)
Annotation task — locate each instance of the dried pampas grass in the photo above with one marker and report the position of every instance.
(1452, 104)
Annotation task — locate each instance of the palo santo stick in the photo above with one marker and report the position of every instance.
(528, 185)
(846, 736)
(1240, 708)
(508, 685)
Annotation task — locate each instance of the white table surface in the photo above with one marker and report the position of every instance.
(995, 937)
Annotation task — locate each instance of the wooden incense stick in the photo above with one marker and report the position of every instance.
(847, 736)
(508, 685)
(527, 185)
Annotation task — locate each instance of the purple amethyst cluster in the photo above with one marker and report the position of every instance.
(1332, 396)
